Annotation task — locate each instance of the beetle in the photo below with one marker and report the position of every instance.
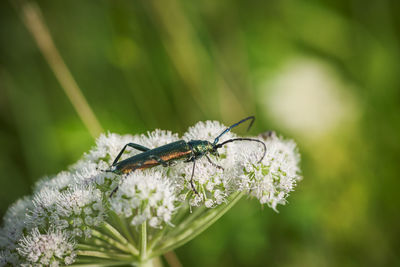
(167, 154)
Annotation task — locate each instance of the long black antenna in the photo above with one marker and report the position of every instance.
(245, 139)
(252, 118)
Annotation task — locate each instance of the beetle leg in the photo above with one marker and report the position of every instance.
(191, 179)
(133, 145)
(124, 176)
(159, 160)
(214, 164)
(114, 191)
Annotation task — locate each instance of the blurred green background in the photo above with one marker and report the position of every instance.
(325, 73)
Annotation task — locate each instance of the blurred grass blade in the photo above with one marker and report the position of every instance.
(34, 22)
(192, 60)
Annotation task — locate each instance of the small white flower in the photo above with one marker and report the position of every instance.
(145, 195)
(208, 179)
(12, 231)
(207, 130)
(49, 249)
(157, 138)
(80, 205)
(44, 208)
(107, 148)
(209, 203)
(91, 173)
(13, 223)
(272, 179)
(59, 182)
(67, 210)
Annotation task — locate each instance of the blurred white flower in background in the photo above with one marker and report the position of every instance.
(309, 98)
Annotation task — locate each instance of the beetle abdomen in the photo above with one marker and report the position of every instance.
(170, 152)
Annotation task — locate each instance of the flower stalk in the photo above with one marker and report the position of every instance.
(143, 242)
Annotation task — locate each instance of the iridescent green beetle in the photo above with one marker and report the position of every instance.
(167, 154)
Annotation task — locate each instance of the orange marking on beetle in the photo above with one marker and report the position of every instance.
(147, 164)
(152, 162)
(175, 155)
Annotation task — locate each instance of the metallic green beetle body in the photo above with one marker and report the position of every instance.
(167, 154)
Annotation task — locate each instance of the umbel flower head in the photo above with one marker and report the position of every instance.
(71, 219)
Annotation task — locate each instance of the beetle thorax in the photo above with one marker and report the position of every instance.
(200, 147)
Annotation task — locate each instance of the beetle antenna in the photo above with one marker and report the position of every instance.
(245, 139)
(252, 118)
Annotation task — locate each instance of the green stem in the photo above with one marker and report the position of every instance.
(96, 248)
(143, 241)
(193, 216)
(179, 227)
(148, 263)
(124, 247)
(114, 232)
(182, 211)
(100, 243)
(196, 227)
(123, 225)
(104, 255)
(154, 241)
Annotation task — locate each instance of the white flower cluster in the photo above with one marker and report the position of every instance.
(212, 183)
(65, 209)
(41, 231)
(275, 177)
(47, 249)
(12, 231)
(147, 194)
(75, 210)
